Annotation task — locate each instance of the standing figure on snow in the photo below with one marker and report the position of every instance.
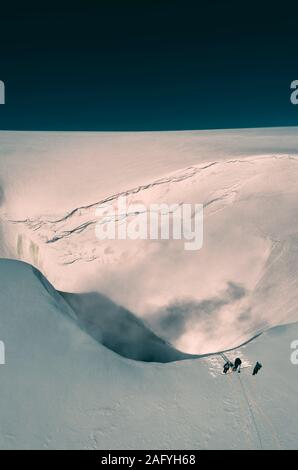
(257, 367)
(237, 365)
(227, 365)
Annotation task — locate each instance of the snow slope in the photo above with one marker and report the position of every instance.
(70, 380)
(61, 389)
(244, 279)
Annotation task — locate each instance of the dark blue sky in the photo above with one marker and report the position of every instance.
(154, 65)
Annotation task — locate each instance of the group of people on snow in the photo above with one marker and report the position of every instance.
(237, 365)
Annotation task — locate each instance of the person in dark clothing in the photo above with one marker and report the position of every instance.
(226, 367)
(237, 364)
(257, 367)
